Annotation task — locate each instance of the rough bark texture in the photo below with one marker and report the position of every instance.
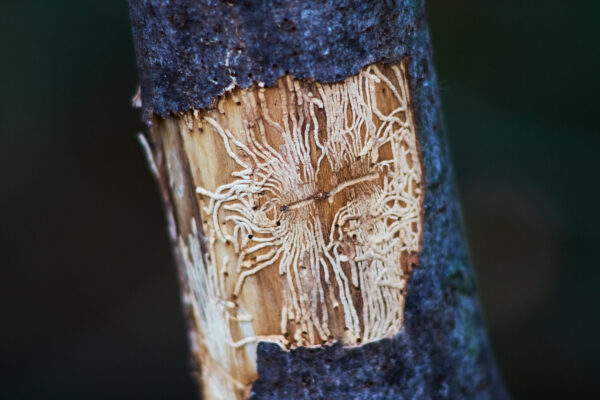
(190, 52)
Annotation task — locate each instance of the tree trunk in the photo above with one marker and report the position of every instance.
(308, 188)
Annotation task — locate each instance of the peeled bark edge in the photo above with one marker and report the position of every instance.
(189, 53)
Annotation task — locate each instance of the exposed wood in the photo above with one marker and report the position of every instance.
(307, 220)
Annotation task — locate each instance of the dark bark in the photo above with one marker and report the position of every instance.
(189, 52)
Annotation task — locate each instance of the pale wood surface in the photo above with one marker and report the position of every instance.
(297, 213)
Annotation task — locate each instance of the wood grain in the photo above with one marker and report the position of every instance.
(297, 214)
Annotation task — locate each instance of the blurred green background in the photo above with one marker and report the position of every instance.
(89, 303)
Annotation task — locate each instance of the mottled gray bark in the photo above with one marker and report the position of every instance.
(190, 52)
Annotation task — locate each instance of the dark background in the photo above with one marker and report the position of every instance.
(89, 305)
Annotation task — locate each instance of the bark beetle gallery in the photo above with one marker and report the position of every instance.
(312, 211)
(323, 201)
